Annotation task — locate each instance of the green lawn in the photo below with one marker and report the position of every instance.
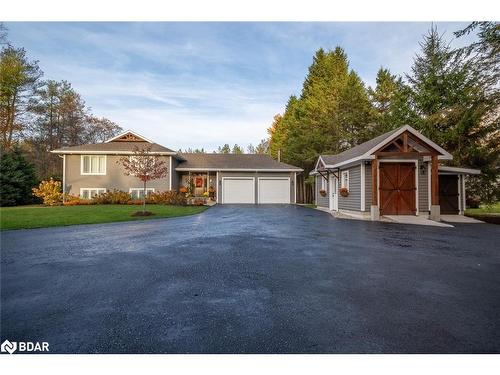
(484, 210)
(40, 216)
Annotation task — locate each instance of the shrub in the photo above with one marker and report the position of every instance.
(17, 177)
(49, 192)
(167, 197)
(112, 197)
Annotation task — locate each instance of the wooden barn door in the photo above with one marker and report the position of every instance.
(397, 189)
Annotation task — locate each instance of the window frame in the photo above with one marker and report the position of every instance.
(82, 157)
(324, 183)
(344, 181)
(149, 189)
(91, 188)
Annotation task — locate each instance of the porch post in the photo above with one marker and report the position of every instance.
(435, 207)
(374, 209)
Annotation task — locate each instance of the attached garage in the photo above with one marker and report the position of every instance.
(238, 190)
(274, 190)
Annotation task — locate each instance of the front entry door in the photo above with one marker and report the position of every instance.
(397, 189)
(334, 193)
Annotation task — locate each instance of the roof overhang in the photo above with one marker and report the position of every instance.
(457, 170)
(83, 152)
(128, 132)
(238, 170)
(444, 155)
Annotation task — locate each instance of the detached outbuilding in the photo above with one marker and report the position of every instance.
(396, 173)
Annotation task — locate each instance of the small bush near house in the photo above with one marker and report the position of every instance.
(49, 192)
(167, 197)
(112, 197)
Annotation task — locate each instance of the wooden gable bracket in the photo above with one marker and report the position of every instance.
(322, 175)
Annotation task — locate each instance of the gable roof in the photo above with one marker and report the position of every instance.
(124, 143)
(122, 137)
(233, 162)
(366, 149)
(114, 148)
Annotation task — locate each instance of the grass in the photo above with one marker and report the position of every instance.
(24, 217)
(308, 205)
(484, 210)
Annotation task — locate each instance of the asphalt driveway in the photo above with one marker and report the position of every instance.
(275, 279)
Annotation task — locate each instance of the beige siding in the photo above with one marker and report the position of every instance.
(113, 179)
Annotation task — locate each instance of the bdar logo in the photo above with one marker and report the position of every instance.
(9, 347)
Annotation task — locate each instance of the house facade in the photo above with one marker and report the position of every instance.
(227, 178)
(396, 173)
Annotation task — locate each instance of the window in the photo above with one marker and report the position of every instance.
(93, 164)
(89, 193)
(323, 183)
(344, 180)
(138, 193)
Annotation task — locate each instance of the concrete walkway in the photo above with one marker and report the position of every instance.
(460, 219)
(415, 220)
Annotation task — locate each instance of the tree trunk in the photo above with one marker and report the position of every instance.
(144, 198)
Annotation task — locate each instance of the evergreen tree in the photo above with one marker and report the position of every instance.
(237, 150)
(17, 177)
(355, 113)
(390, 99)
(226, 149)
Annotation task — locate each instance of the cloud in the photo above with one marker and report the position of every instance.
(205, 84)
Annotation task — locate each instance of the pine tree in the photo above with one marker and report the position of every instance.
(390, 99)
(17, 177)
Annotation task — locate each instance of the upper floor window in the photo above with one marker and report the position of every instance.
(344, 180)
(93, 164)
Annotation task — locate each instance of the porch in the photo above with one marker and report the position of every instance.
(199, 186)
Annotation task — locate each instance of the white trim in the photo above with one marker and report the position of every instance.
(443, 168)
(295, 188)
(217, 186)
(464, 202)
(141, 189)
(333, 201)
(429, 187)
(170, 173)
(445, 154)
(319, 159)
(126, 132)
(238, 178)
(110, 152)
(64, 177)
(272, 178)
(398, 161)
(342, 173)
(363, 187)
(238, 170)
(90, 173)
(368, 155)
(459, 185)
(91, 188)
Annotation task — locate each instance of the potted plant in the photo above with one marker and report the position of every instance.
(344, 192)
(322, 193)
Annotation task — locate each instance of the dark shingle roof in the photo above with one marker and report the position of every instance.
(112, 147)
(356, 150)
(232, 161)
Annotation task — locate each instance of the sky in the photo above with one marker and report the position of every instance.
(200, 85)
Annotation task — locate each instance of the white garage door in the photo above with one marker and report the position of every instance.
(238, 190)
(274, 190)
